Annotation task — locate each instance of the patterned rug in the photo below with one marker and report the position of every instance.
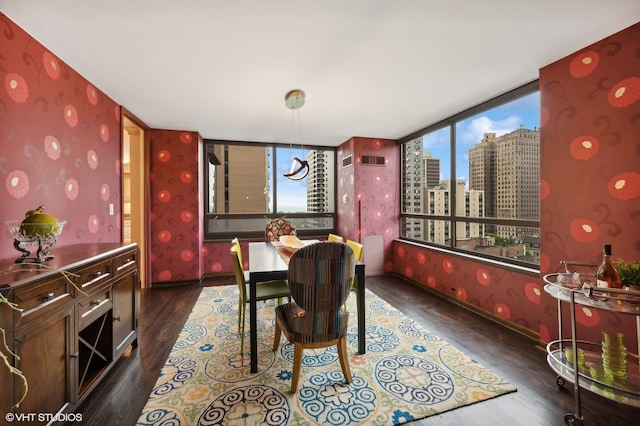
(408, 373)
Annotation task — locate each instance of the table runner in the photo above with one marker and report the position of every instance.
(282, 251)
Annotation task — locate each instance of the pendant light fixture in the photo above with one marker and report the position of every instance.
(294, 100)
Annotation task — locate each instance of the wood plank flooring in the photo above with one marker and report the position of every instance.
(538, 401)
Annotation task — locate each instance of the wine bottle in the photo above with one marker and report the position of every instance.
(607, 275)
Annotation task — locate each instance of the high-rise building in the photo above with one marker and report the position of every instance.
(246, 182)
(413, 176)
(320, 190)
(482, 171)
(507, 168)
(468, 203)
(431, 167)
(518, 179)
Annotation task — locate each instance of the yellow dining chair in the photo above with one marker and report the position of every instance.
(358, 253)
(266, 290)
(320, 277)
(334, 237)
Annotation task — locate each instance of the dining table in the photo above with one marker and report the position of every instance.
(267, 263)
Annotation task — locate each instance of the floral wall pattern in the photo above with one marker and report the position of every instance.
(59, 144)
(508, 294)
(175, 217)
(590, 169)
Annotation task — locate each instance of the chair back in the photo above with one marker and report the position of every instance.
(236, 244)
(277, 227)
(237, 270)
(358, 249)
(334, 237)
(320, 276)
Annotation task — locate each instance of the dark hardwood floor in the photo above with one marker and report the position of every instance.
(538, 401)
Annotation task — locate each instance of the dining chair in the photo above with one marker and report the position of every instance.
(320, 277)
(334, 237)
(266, 290)
(277, 227)
(358, 253)
(236, 244)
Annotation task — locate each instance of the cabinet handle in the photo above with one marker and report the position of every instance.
(74, 355)
(47, 297)
(116, 318)
(96, 303)
(96, 274)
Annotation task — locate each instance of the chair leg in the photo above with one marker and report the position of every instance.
(297, 363)
(241, 318)
(344, 359)
(276, 337)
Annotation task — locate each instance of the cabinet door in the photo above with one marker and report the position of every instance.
(48, 360)
(125, 320)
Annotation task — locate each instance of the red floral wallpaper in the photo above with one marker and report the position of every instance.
(509, 294)
(176, 222)
(590, 168)
(367, 199)
(59, 144)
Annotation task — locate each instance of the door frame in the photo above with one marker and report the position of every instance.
(144, 263)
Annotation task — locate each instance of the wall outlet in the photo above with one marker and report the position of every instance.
(111, 209)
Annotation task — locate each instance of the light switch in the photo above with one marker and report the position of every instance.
(111, 209)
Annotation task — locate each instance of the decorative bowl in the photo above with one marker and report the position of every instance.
(31, 233)
(290, 242)
(44, 235)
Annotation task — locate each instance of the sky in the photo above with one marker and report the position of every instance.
(501, 120)
(293, 193)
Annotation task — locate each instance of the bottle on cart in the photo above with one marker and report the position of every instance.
(607, 274)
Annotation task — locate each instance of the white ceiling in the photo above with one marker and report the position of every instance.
(373, 68)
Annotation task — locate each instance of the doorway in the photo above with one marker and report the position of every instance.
(134, 193)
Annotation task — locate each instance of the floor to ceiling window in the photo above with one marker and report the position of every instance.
(471, 182)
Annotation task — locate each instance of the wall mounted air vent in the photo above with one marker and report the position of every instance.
(347, 161)
(371, 160)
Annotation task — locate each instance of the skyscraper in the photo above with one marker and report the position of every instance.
(320, 190)
(507, 168)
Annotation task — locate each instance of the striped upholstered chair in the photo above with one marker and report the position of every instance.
(320, 277)
(277, 227)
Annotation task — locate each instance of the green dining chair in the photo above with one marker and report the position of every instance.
(236, 244)
(266, 290)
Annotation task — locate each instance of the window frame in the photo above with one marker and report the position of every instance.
(452, 217)
(319, 232)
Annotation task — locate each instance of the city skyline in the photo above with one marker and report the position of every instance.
(503, 119)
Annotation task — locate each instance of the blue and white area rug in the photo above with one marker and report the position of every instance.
(408, 373)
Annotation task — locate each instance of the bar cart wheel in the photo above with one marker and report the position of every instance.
(571, 419)
(560, 381)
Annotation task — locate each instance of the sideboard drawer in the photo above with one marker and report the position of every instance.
(42, 298)
(95, 305)
(94, 275)
(125, 261)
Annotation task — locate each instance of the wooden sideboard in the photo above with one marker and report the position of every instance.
(77, 319)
